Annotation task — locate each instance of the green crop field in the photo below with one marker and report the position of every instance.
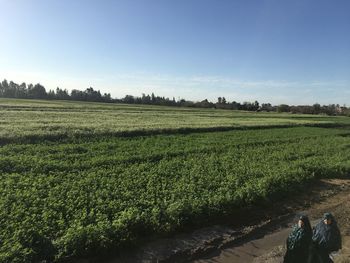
(82, 179)
(32, 120)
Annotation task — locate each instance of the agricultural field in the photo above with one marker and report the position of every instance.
(29, 120)
(84, 179)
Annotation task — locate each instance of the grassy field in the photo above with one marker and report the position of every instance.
(80, 179)
(36, 120)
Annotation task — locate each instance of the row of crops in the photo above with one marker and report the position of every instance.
(85, 196)
(27, 120)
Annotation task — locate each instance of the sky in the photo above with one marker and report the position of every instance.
(278, 51)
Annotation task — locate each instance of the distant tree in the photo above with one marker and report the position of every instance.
(222, 103)
(146, 99)
(266, 107)
(107, 97)
(77, 95)
(6, 90)
(4, 86)
(129, 99)
(245, 106)
(256, 105)
(62, 94)
(204, 104)
(186, 103)
(22, 91)
(92, 95)
(316, 108)
(283, 108)
(30, 86)
(235, 105)
(37, 92)
(11, 90)
(51, 95)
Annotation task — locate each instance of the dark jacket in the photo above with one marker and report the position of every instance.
(327, 237)
(298, 243)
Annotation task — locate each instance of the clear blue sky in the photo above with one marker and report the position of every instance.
(277, 51)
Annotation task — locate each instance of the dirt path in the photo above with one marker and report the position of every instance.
(270, 248)
(261, 239)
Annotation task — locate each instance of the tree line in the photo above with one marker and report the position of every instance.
(38, 91)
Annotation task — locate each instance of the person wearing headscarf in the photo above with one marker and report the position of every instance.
(326, 239)
(299, 241)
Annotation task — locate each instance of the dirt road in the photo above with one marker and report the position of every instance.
(334, 197)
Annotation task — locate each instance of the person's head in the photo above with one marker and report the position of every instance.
(303, 222)
(328, 218)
